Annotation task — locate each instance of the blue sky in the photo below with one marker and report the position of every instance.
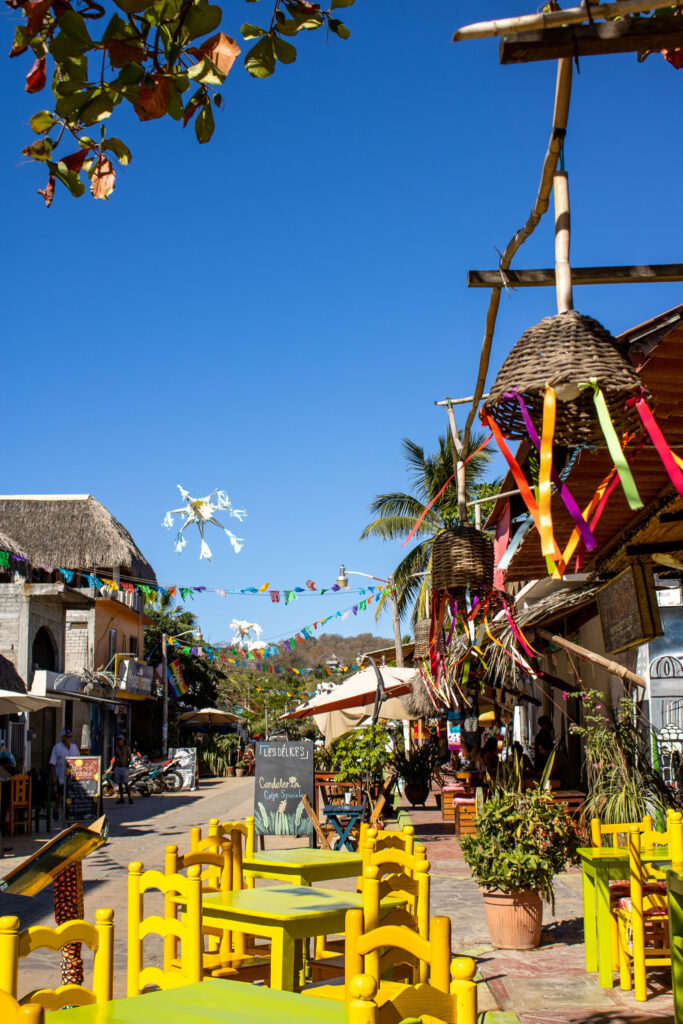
(271, 313)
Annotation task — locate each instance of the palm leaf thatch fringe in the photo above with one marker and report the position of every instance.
(72, 532)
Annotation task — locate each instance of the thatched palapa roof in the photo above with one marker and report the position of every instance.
(9, 677)
(7, 544)
(72, 531)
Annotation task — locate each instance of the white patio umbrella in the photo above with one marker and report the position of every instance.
(352, 701)
(12, 702)
(209, 716)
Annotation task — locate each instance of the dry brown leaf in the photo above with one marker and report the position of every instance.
(48, 193)
(35, 79)
(35, 16)
(102, 181)
(152, 103)
(74, 161)
(122, 53)
(220, 49)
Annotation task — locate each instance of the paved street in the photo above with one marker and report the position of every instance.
(545, 986)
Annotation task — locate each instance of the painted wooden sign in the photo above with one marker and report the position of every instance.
(284, 774)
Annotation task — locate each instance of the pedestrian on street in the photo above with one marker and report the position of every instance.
(122, 757)
(65, 748)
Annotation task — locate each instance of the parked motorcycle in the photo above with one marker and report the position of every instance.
(138, 780)
(163, 775)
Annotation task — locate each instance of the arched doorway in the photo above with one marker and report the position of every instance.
(43, 654)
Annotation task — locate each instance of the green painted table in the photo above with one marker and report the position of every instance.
(287, 915)
(211, 1002)
(303, 866)
(599, 867)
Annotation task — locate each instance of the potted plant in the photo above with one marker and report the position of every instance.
(522, 840)
(240, 769)
(415, 769)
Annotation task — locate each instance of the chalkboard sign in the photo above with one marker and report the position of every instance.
(628, 610)
(82, 797)
(284, 774)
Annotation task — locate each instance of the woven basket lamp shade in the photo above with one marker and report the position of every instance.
(422, 627)
(462, 557)
(564, 351)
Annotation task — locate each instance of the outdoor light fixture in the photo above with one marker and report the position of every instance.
(342, 578)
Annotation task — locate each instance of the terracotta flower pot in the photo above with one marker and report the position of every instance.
(231, 772)
(240, 772)
(514, 919)
(416, 793)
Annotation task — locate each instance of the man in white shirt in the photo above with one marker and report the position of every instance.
(60, 751)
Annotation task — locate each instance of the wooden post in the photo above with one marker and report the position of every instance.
(563, 272)
(459, 467)
(315, 821)
(613, 667)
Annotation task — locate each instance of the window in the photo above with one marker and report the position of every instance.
(133, 646)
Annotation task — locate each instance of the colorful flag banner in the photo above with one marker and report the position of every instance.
(175, 679)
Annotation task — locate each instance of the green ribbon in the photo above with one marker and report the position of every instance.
(4, 558)
(613, 446)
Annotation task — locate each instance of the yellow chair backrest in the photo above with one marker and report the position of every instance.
(414, 889)
(614, 833)
(241, 835)
(429, 1005)
(673, 837)
(15, 945)
(12, 1012)
(214, 860)
(188, 931)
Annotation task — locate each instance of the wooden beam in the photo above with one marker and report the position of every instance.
(613, 667)
(624, 36)
(670, 517)
(654, 273)
(659, 547)
(554, 19)
(315, 822)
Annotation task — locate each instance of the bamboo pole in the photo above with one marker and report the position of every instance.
(560, 116)
(555, 19)
(613, 667)
(563, 271)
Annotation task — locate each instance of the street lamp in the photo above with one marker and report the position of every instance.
(343, 582)
(164, 672)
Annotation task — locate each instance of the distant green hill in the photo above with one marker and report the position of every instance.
(347, 649)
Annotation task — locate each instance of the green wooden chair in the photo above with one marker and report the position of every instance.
(674, 883)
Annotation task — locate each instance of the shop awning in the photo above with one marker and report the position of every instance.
(13, 703)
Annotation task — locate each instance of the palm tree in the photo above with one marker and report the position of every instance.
(397, 513)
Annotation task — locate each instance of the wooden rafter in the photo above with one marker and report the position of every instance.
(628, 35)
(659, 273)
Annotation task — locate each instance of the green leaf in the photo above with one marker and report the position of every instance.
(73, 25)
(285, 52)
(341, 3)
(202, 18)
(132, 74)
(100, 108)
(338, 28)
(66, 106)
(63, 46)
(68, 178)
(117, 29)
(204, 123)
(133, 6)
(42, 122)
(119, 149)
(175, 102)
(252, 31)
(76, 68)
(207, 72)
(260, 60)
(39, 150)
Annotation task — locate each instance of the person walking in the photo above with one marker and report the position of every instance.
(65, 748)
(122, 757)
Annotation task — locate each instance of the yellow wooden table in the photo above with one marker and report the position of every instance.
(303, 865)
(288, 915)
(210, 1002)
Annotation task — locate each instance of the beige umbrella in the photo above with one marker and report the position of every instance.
(209, 717)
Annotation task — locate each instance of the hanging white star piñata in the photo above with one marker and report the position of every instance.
(199, 512)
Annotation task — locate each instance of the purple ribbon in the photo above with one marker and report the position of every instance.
(564, 492)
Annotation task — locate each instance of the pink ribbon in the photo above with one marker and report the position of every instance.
(659, 441)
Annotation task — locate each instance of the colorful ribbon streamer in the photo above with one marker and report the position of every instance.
(658, 440)
(614, 447)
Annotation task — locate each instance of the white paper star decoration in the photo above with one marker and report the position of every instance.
(200, 511)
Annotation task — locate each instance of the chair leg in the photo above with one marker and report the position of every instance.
(624, 957)
(614, 944)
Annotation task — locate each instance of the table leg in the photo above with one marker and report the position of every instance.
(589, 921)
(282, 961)
(604, 922)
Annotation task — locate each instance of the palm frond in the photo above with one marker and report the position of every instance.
(397, 528)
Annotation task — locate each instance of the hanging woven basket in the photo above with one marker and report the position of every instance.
(462, 557)
(422, 627)
(564, 351)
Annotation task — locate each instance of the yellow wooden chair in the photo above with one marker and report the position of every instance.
(188, 930)
(224, 954)
(15, 945)
(419, 1002)
(12, 1012)
(438, 998)
(642, 916)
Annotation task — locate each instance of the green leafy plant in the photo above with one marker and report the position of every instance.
(361, 751)
(623, 784)
(523, 839)
(415, 767)
(164, 57)
(220, 753)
